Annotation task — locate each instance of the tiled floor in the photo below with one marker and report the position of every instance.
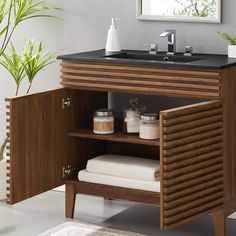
(46, 211)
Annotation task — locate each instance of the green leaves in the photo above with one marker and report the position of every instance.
(228, 38)
(4, 9)
(13, 64)
(35, 59)
(13, 12)
(27, 9)
(27, 64)
(32, 59)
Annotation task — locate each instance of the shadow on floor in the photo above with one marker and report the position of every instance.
(145, 219)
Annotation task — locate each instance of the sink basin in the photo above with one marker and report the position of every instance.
(157, 57)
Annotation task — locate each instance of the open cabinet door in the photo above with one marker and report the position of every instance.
(191, 148)
(38, 145)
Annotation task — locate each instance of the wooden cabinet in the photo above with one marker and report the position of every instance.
(39, 146)
(192, 162)
(51, 131)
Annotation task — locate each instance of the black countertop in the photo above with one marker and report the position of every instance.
(207, 61)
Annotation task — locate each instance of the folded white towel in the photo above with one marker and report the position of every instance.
(125, 166)
(85, 176)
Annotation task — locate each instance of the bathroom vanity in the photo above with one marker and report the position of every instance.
(51, 139)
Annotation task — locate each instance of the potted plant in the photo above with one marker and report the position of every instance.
(28, 64)
(31, 60)
(231, 46)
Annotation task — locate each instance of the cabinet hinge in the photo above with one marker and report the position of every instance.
(68, 170)
(67, 102)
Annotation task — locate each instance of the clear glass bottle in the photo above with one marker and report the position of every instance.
(131, 116)
(103, 121)
(149, 126)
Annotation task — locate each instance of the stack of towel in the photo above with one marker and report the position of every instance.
(3, 180)
(123, 171)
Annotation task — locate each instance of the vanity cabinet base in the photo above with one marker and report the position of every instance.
(50, 135)
(110, 192)
(74, 187)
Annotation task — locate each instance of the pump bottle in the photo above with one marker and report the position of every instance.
(113, 44)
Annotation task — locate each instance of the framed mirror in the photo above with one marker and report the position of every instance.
(180, 10)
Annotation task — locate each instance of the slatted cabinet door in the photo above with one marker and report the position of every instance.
(38, 145)
(191, 148)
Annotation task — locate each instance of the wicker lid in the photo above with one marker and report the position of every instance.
(149, 116)
(104, 112)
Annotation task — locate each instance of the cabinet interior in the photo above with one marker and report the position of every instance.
(190, 152)
(119, 143)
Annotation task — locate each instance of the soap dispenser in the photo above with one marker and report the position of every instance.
(113, 44)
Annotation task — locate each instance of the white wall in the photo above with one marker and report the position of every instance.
(83, 26)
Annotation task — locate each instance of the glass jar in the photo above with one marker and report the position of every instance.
(131, 117)
(149, 126)
(103, 121)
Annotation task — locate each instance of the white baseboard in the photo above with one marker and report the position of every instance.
(233, 216)
(60, 189)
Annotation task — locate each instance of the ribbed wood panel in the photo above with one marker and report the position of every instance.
(8, 153)
(143, 80)
(39, 147)
(192, 162)
(229, 98)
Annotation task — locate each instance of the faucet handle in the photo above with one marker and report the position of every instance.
(153, 48)
(188, 51)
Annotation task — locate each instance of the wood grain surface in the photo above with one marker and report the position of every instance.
(116, 137)
(142, 80)
(192, 183)
(113, 192)
(229, 99)
(39, 146)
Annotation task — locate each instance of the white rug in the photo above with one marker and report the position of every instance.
(77, 229)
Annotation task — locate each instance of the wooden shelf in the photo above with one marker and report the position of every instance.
(116, 137)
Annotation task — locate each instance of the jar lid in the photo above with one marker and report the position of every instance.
(104, 112)
(149, 116)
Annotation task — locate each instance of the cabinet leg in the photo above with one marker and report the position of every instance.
(219, 222)
(70, 200)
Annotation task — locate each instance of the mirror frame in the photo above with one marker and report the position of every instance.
(140, 16)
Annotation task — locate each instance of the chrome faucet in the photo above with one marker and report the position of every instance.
(171, 34)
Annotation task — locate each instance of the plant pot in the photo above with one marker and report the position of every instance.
(232, 51)
(3, 178)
